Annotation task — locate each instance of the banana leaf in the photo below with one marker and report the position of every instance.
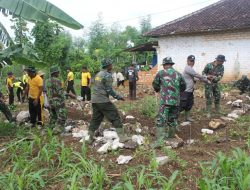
(38, 10)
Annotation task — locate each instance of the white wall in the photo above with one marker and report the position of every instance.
(235, 46)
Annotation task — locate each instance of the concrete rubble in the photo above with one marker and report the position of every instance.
(130, 117)
(216, 124)
(161, 160)
(23, 116)
(207, 131)
(123, 159)
(138, 139)
(185, 123)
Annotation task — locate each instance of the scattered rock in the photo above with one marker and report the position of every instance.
(233, 115)
(227, 119)
(23, 116)
(138, 139)
(237, 103)
(248, 97)
(123, 159)
(207, 131)
(80, 134)
(185, 123)
(161, 160)
(229, 103)
(68, 128)
(190, 141)
(104, 148)
(110, 135)
(79, 98)
(116, 144)
(225, 95)
(175, 143)
(216, 124)
(138, 130)
(130, 117)
(238, 112)
(130, 145)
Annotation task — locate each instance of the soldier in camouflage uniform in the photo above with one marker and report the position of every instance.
(214, 72)
(4, 109)
(169, 83)
(58, 113)
(101, 104)
(243, 84)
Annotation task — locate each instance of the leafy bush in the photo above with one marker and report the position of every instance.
(149, 106)
(226, 172)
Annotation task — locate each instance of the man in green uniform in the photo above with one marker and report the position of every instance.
(101, 104)
(169, 83)
(58, 114)
(243, 84)
(214, 72)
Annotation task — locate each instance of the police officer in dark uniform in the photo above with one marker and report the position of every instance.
(132, 76)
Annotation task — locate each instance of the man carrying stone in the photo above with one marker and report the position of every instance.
(169, 83)
(101, 104)
(187, 97)
(214, 72)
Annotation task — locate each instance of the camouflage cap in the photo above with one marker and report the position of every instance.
(167, 60)
(54, 69)
(106, 62)
(221, 58)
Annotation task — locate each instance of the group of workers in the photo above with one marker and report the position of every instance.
(175, 89)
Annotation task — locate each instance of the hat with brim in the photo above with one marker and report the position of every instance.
(54, 69)
(167, 61)
(41, 73)
(221, 58)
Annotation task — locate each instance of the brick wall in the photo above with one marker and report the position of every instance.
(146, 77)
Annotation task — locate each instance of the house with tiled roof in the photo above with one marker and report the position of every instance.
(221, 28)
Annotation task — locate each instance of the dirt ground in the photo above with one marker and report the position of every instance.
(203, 149)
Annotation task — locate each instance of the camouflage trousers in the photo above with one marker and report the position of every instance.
(58, 112)
(167, 118)
(212, 91)
(6, 111)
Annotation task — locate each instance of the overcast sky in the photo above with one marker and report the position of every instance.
(126, 12)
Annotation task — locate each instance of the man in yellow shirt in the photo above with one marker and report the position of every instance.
(34, 90)
(86, 81)
(10, 87)
(70, 81)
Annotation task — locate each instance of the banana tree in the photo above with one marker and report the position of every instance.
(34, 11)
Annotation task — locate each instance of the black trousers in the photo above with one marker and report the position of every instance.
(120, 82)
(187, 101)
(11, 95)
(19, 93)
(132, 90)
(70, 87)
(35, 112)
(85, 91)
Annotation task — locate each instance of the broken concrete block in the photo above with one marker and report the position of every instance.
(138, 139)
(104, 148)
(161, 160)
(238, 112)
(110, 135)
(229, 103)
(233, 115)
(138, 130)
(23, 116)
(248, 97)
(190, 141)
(68, 128)
(80, 134)
(216, 124)
(130, 117)
(237, 103)
(186, 123)
(123, 159)
(116, 144)
(174, 143)
(207, 131)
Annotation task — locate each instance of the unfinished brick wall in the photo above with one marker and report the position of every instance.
(146, 77)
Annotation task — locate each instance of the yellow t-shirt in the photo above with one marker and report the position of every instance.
(85, 78)
(18, 85)
(34, 84)
(25, 78)
(9, 81)
(70, 76)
